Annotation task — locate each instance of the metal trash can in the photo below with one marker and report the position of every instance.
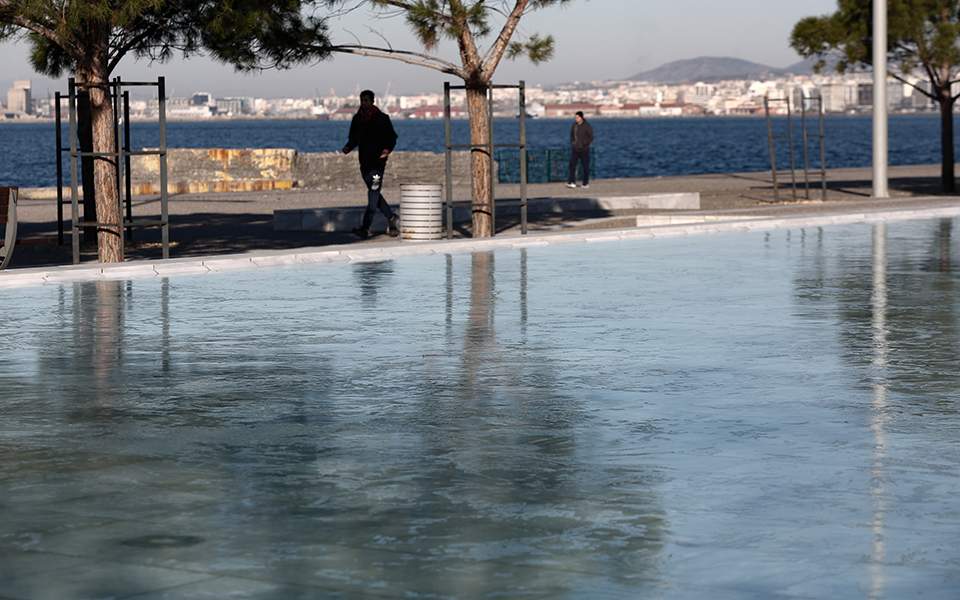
(421, 211)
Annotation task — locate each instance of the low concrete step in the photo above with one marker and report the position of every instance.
(342, 219)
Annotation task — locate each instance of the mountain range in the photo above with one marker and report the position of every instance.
(718, 68)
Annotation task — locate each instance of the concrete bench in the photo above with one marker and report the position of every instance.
(8, 223)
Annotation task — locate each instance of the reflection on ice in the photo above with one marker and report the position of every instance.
(730, 416)
(879, 417)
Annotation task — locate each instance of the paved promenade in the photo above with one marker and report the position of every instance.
(229, 223)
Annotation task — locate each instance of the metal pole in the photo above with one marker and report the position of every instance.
(806, 141)
(128, 180)
(773, 148)
(793, 161)
(523, 162)
(493, 193)
(880, 183)
(114, 88)
(74, 193)
(448, 162)
(823, 154)
(59, 124)
(164, 214)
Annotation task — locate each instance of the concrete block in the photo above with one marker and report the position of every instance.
(679, 201)
(70, 274)
(136, 270)
(529, 243)
(229, 263)
(274, 260)
(191, 267)
(15, 279)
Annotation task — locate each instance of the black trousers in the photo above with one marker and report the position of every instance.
(373, 178)
(583, 157)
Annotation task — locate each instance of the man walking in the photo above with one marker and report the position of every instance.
(581, 136)
(372, 131)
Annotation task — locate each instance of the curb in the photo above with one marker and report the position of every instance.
(353, 253)
(334, 220)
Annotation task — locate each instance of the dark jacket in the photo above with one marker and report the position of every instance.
(581, 136)
(373, 135)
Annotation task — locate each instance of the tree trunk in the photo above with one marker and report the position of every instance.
(109, 240)
(480, 160)
(947, 179)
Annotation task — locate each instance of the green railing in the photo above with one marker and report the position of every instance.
(544, 165)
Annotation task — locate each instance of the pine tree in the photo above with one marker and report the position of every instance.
(90, 38)
(923, 37)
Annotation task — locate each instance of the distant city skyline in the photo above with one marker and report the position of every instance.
(595, 40)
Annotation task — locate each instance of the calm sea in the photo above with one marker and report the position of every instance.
(624, 147)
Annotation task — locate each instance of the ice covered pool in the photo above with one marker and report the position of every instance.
(731, 416)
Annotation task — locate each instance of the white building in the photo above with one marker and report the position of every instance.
(18, 98)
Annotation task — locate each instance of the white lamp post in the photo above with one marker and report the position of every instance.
(880, 187)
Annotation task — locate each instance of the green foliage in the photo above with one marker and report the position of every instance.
(67, 35)
(432, 20)
(537, 49)
(922, 34)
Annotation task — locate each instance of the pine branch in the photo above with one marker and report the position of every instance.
(17, 18)
(472, 64)
(499, 47)
(412, 58)
(913, 85)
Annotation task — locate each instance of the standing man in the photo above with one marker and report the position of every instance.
(373, 132)
(581, 136)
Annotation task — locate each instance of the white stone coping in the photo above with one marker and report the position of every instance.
(331, 219)
(369, 253)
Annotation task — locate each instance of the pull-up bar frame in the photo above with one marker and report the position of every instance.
(489, 147)
(121, 154)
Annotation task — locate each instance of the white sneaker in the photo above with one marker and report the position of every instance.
(572, 186)
(585, 186)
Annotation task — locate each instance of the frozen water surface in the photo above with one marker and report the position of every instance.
(731, 416)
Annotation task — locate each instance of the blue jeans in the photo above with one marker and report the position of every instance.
(579, 156)
(373, 178)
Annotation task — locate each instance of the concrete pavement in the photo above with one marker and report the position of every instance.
(228, 223)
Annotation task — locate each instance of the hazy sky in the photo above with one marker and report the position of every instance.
(595, 39)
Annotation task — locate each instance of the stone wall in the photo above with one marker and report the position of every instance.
(196, 170)
(337, 171)
(216, 170)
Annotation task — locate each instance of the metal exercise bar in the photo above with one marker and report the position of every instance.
(792, 152)
(128, 180)
(489, 146)
(823, 152)
(118, 166)
(523, 171)
(143, 153)
(806, 152)
(492, 174)
(120, 99)
(492, 86)
(139, 222)
(448, 160)
(139, 83)
(164, 215)
(74, 209)
(805, 132)
(92, 86)
(773, 149)
(59, 142)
